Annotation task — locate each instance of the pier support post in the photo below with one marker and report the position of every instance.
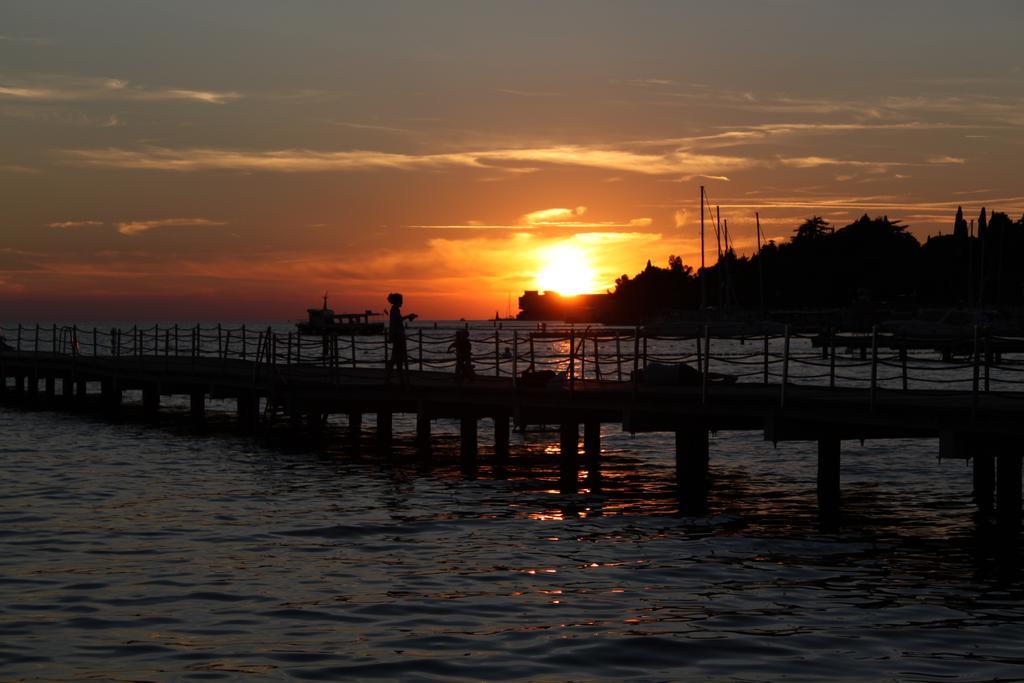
(19, 387)
(592, 453)
(197, 404)
(67, 389)
(692, 468)
(501, 441)
(248, 408)
(51, 387)
(468, 445)
(110, 390)
(3, 380)
(828, 479)
(316, 421)
(151, 400)
(983, 465)
(384, 429)
(423, 431)
(1008, 489)
(33, 385)
(81, 391)
(355, 426)
(569, 457)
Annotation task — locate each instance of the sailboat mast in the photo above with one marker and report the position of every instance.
(703, 288)
(760, 260)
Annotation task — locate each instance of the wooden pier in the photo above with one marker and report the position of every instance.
(267, 378)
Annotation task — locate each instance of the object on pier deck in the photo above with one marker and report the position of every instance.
(542, 379)
(678, 374)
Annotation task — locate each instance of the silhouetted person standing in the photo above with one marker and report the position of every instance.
(463, 356)
(396, 331)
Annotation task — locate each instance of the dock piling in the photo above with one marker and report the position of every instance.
(385, 429)
(468, 446)
(569, 457)
(1008, 488)
(692, 462)
(501, 444)
(828, 479)
(592, 453)
(423, 431)
(983, 466)
(151, 400)
(197, 404)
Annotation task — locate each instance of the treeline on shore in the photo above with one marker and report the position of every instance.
(872, 262)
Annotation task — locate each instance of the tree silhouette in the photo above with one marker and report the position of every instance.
(959, 224)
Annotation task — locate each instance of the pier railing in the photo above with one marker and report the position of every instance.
(579, 356)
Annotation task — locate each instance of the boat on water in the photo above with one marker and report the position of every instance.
(325, 321)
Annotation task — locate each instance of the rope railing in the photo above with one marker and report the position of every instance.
(881, 360)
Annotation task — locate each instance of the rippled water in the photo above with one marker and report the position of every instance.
(135, 552)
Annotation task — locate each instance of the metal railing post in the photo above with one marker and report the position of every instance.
(618, 356)
(988, 361)
(352, 341)
(244, 349)
(572, 359)
(785, 369)
(831, 359)
(974, 383)
(765, 372)
(419, 334)
(903, 363)
(874, 364)
(706, 371)
(515, 357)
(636, 354)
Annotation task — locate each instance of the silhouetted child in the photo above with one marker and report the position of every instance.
(463, 356)
(396, 331)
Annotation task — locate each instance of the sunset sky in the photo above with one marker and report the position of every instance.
(204, 160)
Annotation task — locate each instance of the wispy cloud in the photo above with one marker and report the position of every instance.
(526, 93)
(305, 160)
(135, 227)
(67, 88)
(26, 40)
(370, 127)
(18, 168)
(552, 216)
(65, 225)
(559, 218)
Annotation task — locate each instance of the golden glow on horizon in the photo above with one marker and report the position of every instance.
(566, 269)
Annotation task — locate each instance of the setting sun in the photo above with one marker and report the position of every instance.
(566, 269)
